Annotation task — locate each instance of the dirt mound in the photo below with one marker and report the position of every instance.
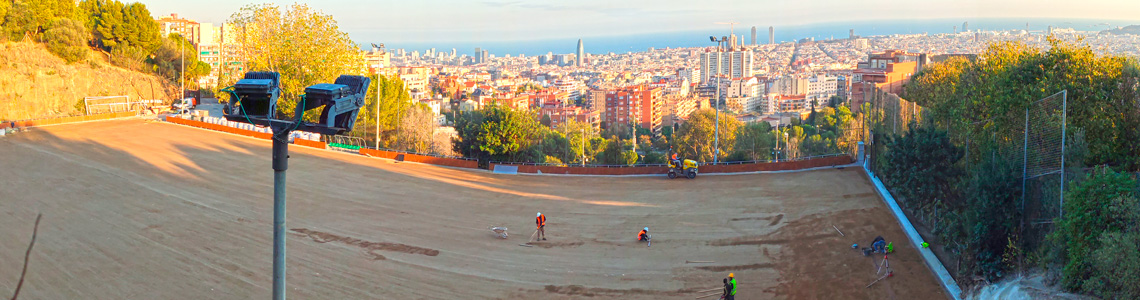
(36, 84)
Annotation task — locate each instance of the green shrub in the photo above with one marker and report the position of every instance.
(1104, 202)
(1116, 267)
(67, 39)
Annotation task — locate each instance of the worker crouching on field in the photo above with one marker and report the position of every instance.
(643, 236)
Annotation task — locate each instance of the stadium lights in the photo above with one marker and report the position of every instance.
(255, 102)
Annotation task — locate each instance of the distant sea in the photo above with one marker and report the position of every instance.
(699, 38)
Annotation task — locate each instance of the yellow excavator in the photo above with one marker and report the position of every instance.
(677, 167)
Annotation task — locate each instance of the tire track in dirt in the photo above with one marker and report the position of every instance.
(549, 245)
(369, 246)
(738, 267)
(756, 240)
(578, 290)
(772, 220)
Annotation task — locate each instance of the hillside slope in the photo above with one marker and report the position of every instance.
(36, 84)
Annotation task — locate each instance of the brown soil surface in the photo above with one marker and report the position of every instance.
(146, 210)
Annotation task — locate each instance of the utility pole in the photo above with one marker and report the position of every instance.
(778, 121)
(182, 76)
(583, 148)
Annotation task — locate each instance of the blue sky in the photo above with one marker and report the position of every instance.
(497, 20)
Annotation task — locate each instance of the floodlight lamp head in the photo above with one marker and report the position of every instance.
(255, 96)
(341, 101)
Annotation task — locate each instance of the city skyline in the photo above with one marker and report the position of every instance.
(492, 21)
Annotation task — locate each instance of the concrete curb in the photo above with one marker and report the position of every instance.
(928, 257)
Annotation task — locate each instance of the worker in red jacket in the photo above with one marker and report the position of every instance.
(540, 224)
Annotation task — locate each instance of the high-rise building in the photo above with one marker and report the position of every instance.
(753, 42)
(581, 54)
(771, 35)
(965, 26)
(851, 34)
(638, 104)
(733, 64)
(478, 58)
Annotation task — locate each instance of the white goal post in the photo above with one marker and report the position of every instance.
(106, 104)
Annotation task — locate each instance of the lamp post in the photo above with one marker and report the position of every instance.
(716, 98)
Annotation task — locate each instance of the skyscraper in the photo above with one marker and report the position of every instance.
(581, 54)
(771, 35)
(965, 26)
(478, 55)
(851, 34)
(754, 35)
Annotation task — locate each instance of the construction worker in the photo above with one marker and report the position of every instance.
(676, 161)
(643, 235)
(540, 223)
(732, 284)
(727, 289)
(879, 244)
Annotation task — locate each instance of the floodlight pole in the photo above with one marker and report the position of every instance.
(280, 164)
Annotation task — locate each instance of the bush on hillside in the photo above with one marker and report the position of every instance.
(1104, 202)
(67, 39)
(1116, 267)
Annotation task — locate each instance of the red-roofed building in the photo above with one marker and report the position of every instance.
(887, 71)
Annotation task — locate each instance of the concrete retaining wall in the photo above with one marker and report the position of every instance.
(928, 257)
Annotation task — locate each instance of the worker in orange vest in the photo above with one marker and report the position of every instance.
(643, 235)
(540, 223)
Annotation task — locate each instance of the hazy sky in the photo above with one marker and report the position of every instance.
(494, 20)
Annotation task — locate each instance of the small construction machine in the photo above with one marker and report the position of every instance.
(687, 167)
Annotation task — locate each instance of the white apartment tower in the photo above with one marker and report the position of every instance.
(732, 64)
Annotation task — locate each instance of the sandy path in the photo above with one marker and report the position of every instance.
(146, 210)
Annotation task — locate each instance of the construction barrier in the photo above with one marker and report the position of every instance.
(425, 159)
(247, 131)
(66, 120)
(308, 143)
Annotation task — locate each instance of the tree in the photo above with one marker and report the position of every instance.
(989, 215)
(578, 135)
(500, 134)
(170, 56)
(33, 17)
(416, 130)
(921, 166)
(976, 97)
(618, 152)
(696, 137)
(394, 102)
(754, 142)
(67, 39)
(304, 45)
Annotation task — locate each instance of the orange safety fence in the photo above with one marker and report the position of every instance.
(308, 143)
(222, 128)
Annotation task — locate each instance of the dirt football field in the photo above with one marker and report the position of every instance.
(138, 209)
